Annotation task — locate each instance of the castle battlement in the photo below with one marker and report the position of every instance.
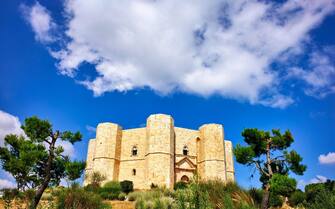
(159, 153)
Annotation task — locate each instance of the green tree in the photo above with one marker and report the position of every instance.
(18, 157)
(268, 152)
(74, 169)
(36, 160)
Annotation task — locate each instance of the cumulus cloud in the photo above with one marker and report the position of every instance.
(328, 158)
(319, 75)
(4, 183)
(200, 47)
(9, 124)
(68, 148)
(40, 21)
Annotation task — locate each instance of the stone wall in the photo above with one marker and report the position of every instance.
(129, 163)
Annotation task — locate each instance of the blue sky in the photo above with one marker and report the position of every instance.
(242, 64)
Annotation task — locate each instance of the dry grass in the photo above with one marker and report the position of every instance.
(121, 204)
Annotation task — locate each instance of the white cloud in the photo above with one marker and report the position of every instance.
(9, 124)
(317, 179)
(90, 129)
(319, 76)
(328, 158)
(68, 148)
(40, 20)
(4, 183)
(193, 46)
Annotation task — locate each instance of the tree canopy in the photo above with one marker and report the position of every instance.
(268, 152)
(35, 160)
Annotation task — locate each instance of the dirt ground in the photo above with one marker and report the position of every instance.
(122, 204)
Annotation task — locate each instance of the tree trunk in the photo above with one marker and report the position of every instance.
(38, 195)
(266, 196)
(46, 181)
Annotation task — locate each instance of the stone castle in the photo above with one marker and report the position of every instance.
(159, 153)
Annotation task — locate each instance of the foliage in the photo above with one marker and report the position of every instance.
(155, 198)
(276, 200)
(74, 169)
(282, 185)
(180, 185)
(122, 196)
(324, 200)
(320, 195)
(8, 196)
(297, 198)
(95, 179)
(127, 186)
(256, 195)
(71, 198)
(36, 161)
(18, 157)
(110, 190)
(268, 152)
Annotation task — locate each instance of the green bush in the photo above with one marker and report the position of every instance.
(297, 198)
(180, 185)
(324, 200)
(78, 198)
(127, 186)
(110, 190)
(122, 196)
(276, 200)
(92, 188)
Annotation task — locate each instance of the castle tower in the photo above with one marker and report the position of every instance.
(230, 173)
(89, 160)
(211, 156)
(160, 150)
(108, 150)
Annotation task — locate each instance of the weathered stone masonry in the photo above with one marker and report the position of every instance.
(159, 153)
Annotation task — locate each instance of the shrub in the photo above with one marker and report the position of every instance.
(110, 190)
(122, 196)
(296, 198)
(132, 196)
(180, 185)
(324, 200)
(275, 200)
(126, 186)
(92, 188)
(8, 196)
(78, 198)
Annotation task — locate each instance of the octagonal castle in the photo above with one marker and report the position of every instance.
(159, 153)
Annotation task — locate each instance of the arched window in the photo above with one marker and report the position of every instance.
(185, 150)
(185, 179)
(134, 172)
(134, 151)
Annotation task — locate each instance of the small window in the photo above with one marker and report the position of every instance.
(134, 151)
(134, 172)
(185, 150)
